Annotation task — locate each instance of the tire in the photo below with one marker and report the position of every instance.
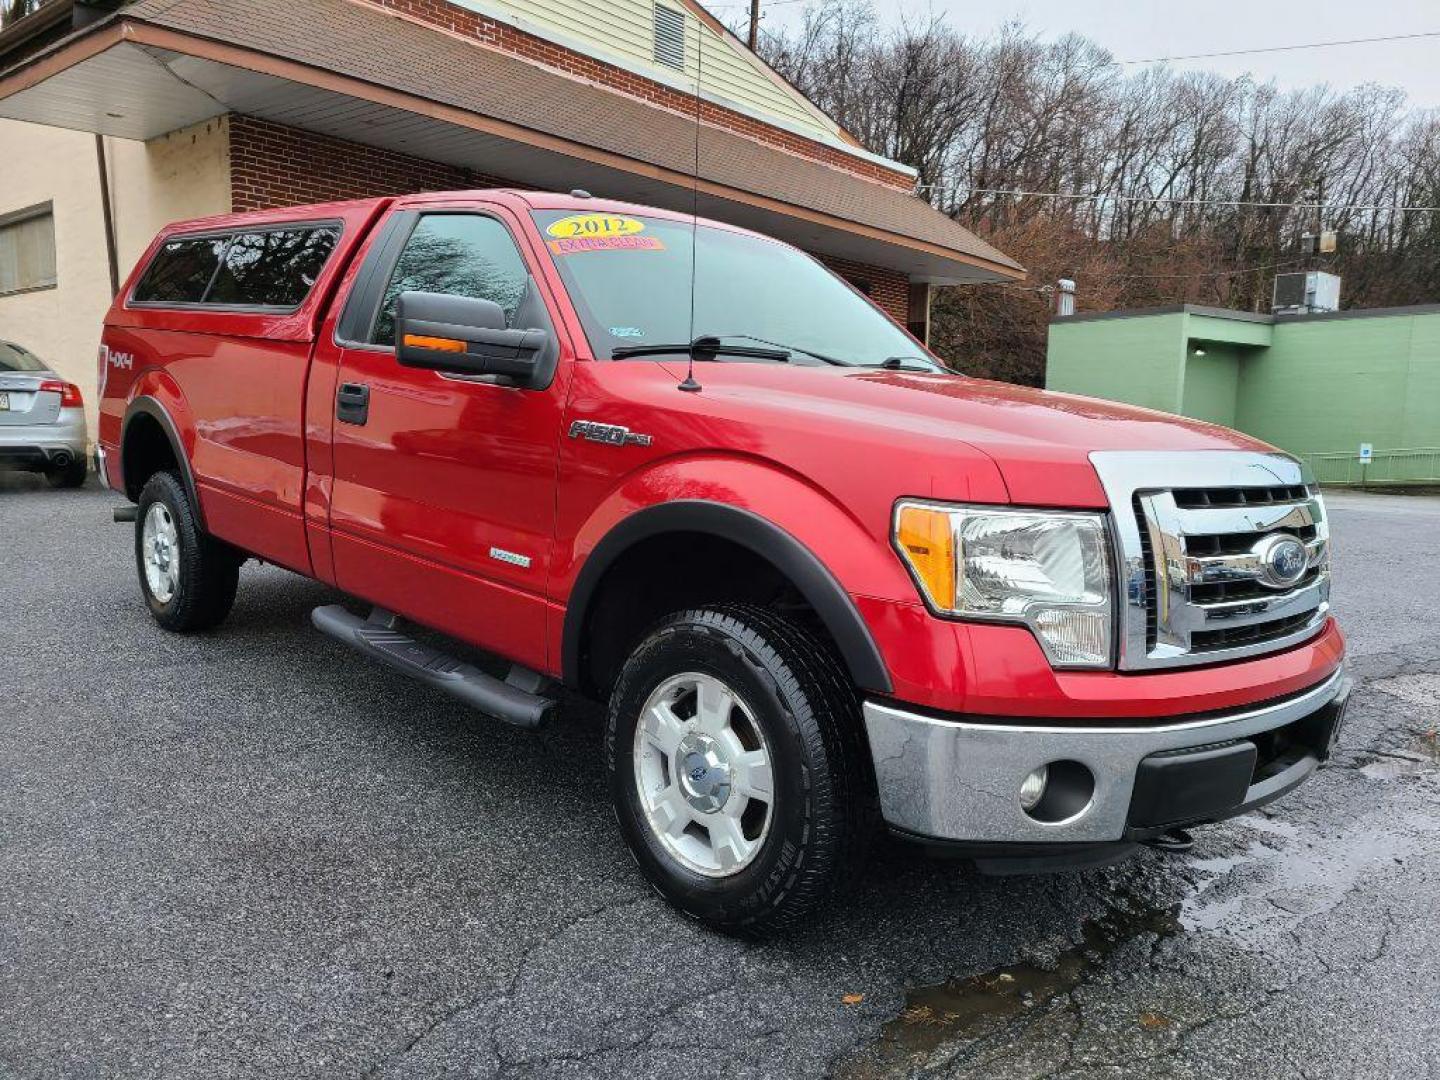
(70, 476)
(198, 593)
(793, 704)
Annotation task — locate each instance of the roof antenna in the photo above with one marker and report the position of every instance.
(690, 386)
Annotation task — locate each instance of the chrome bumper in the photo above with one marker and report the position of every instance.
(958, 780)
(101, 462)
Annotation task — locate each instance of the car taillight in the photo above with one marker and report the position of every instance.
(69, 393)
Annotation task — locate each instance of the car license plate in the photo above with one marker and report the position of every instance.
(4, 402)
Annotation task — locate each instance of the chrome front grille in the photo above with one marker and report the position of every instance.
(1192, 534)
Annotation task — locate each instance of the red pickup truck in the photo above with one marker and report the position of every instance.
(823, 583)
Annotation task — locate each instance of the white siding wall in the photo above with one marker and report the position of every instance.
(623, 30)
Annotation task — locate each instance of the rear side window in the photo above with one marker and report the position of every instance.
(266, 268)
(272, 269)
(181, 271)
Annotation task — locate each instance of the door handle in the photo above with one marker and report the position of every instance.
(352, 403)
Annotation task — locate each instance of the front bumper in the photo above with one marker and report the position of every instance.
(958, 779)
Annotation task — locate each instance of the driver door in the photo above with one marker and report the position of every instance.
(443, 497)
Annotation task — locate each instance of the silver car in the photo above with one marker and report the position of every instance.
(42, 419)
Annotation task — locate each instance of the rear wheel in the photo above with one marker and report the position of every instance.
(68, 476)
(737, 767)
(188, 578)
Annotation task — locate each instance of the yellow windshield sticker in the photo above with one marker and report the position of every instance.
(595, 225)
(606, 243)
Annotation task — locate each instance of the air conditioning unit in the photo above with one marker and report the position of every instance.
(1308, 292)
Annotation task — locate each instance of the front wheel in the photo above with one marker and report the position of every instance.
(737, 767)
(188, 578)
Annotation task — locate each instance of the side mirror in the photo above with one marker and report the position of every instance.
(464, 336)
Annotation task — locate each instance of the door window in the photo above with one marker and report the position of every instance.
(458, 254)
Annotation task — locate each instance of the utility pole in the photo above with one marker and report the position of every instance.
(754, 25)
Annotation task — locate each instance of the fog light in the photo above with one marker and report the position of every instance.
(1032, 788)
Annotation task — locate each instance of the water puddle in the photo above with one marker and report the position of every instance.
(1399, 766)
(960, 1009)
(1266, 888)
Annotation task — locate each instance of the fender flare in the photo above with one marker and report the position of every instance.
(151, 407)
(761, 536)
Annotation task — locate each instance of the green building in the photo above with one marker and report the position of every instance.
(1319, 386)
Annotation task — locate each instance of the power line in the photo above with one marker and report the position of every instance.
(764, 4)
(1101, 196)
(1209, 273)
(1285, 48)
(1046, 289)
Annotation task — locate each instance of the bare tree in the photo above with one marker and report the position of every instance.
(1148, 187)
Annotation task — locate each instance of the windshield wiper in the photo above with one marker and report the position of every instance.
(788, 348)
(706, 347)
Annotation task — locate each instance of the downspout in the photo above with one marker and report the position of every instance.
(110, 248)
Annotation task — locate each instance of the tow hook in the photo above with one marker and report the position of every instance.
(1172, 840)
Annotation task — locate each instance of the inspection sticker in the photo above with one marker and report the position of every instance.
(571, 246)
(567, 228)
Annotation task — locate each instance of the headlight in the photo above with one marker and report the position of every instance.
(1047, 569)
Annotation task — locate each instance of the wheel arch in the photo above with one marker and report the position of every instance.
(786, 554)
(144, 416)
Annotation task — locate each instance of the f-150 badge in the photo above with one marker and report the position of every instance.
(609, 434)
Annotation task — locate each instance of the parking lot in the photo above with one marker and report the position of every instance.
(251, 853)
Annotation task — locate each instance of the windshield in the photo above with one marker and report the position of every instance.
(14, 358)
(629, 277)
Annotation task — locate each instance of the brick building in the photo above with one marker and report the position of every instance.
(178, 108)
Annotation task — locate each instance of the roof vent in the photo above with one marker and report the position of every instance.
(670, 37)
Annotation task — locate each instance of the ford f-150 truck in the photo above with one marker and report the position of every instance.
(824, 584)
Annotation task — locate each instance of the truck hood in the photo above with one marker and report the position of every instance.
(1040, 441)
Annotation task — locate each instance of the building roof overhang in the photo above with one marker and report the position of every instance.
(350, 71)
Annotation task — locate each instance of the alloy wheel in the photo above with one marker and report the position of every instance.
(704, 774)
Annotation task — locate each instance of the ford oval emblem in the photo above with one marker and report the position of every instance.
(1283, 560)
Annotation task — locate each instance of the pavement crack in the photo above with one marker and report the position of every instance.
(461, 1008)
(1385, 936)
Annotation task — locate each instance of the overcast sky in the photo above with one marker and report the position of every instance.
(1142, 29)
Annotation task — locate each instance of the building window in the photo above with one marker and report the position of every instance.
(27, 250)
(670, 37)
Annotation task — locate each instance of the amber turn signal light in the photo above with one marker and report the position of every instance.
(927, 540)
(437, 344)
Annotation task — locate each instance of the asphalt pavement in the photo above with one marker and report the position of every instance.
(250, 853)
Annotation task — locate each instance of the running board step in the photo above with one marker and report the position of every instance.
(377, 638)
